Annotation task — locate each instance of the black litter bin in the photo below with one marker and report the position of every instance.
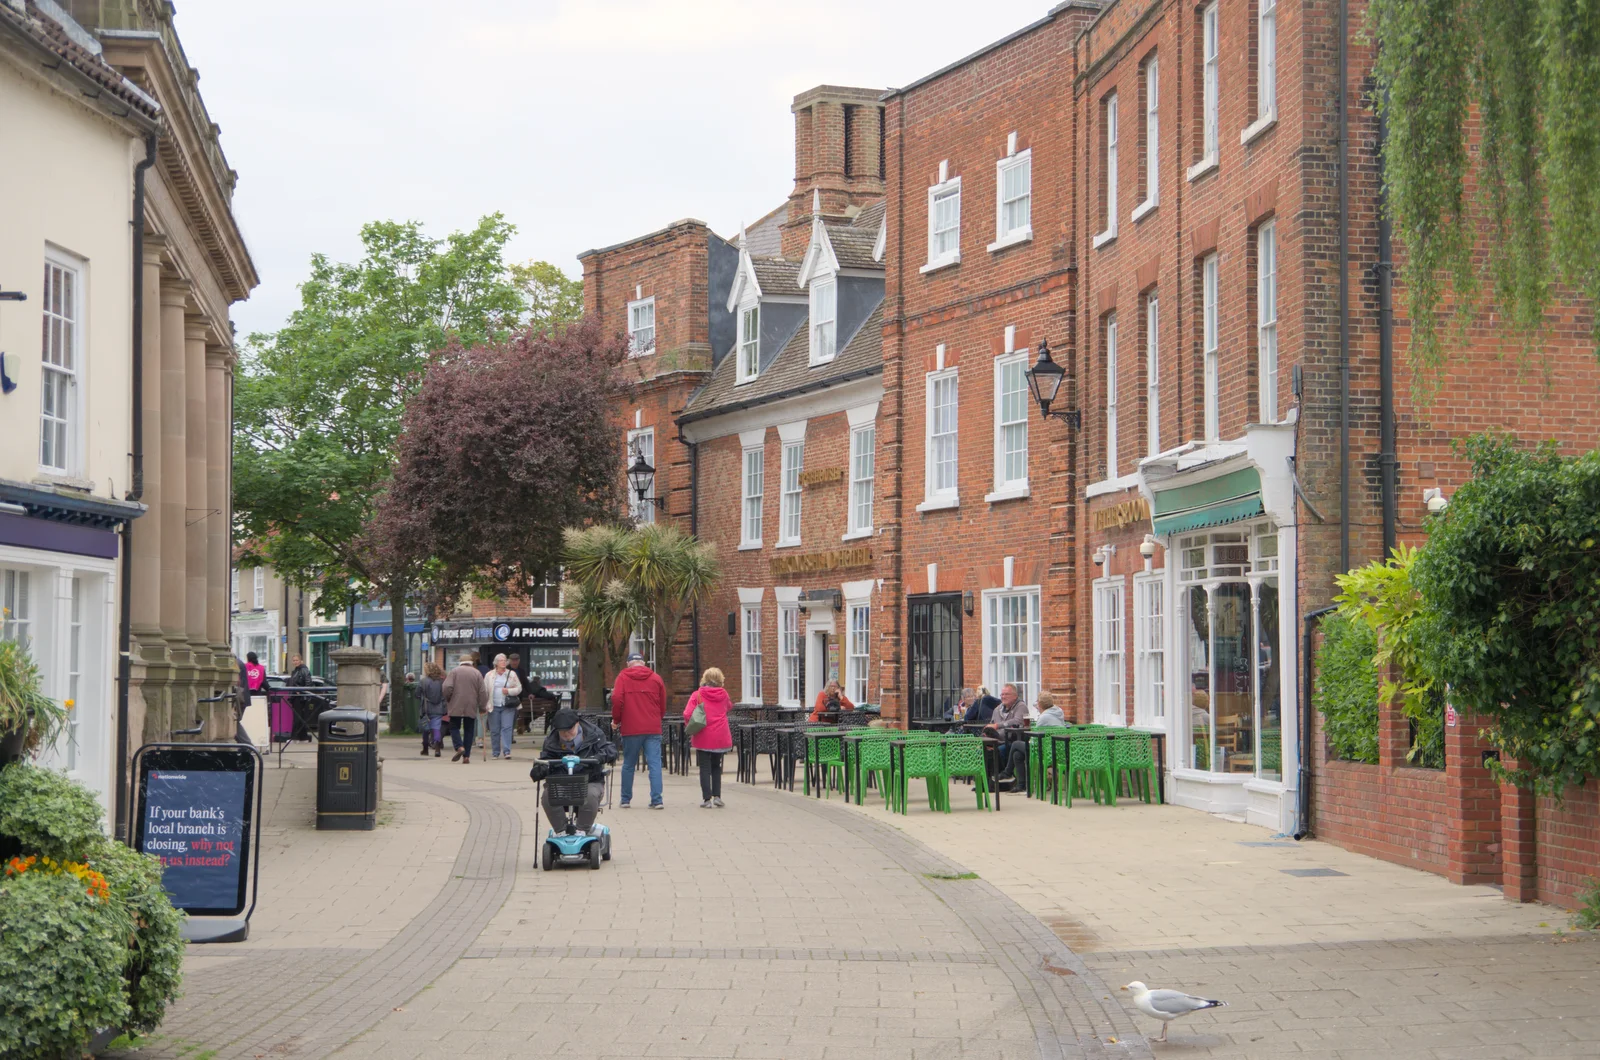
(347, 769)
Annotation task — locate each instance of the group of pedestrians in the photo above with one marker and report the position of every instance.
(454, 703)
(638, 706)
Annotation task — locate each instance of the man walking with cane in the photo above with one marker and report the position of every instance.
(638, 702)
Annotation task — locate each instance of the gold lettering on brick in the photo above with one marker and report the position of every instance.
(838, 559)
(818, 476)
(1119, 515)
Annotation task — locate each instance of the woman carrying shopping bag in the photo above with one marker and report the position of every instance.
(705, 718)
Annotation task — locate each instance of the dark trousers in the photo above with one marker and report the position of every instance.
(1017, 764)
(710, 763)
(432, 737)
(462, 732)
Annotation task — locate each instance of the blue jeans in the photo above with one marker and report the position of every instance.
(501, 722)
(650, 743)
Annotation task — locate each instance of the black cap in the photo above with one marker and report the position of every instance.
(564, 719)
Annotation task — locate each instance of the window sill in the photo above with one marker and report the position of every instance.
(1144, 209)
(1021, 235)
(1009, 493)
(1111, 485)
(46, 477)
(936, 504)
(749, 546)
(1206, 165)
(942, 263)
(1258, 127)
(787, 544)
(745, 382)
(1109, 235)
(821, 362)
(857, 535)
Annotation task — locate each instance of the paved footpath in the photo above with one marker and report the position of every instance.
(782, 926)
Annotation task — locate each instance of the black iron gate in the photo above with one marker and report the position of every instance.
(935, 655)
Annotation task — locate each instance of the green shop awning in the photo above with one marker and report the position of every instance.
(319, 638)
(1226, 499)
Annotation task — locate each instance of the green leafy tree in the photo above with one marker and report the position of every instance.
(621, 579)
(1510, 580)
(554, 299)
(1522, 77)
(318, 404)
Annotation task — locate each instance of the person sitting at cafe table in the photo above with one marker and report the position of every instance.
(1016, 763)
(956, 707)
(831, 700)
(981, 709)
(1007, 722)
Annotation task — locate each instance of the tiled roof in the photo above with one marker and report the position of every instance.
(44, 31)
(791, 370)
(777, 276)
(853, 246)
(871, 216)
(765, 237)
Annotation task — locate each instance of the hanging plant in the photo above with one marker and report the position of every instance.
(25, 711)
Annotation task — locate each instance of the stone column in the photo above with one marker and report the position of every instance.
(360, 677)
(146, 530)
(198, 518)
(218, 456)
(174, 466)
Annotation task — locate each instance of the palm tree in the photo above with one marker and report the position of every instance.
(621, 580)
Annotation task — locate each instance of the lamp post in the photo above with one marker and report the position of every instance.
(640, 476)
(1044, 380)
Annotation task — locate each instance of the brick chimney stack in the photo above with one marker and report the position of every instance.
(838, 152)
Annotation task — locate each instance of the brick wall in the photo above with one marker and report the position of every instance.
(671, 266)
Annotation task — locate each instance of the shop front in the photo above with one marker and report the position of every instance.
(549, 647)
(1224, 515)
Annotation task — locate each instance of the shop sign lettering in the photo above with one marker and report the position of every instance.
(839, 559)
(1119, 515)
(821, 476)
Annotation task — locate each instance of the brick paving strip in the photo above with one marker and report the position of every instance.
(1071, 1010)
(308, 1002)
(727, 953)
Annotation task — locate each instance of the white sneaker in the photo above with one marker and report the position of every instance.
(717, 802)
(706, 805)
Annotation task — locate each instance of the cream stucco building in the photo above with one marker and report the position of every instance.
(115, 441)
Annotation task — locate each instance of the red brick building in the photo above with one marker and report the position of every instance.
(1157, 190)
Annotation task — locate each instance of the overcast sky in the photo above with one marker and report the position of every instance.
(585, 123)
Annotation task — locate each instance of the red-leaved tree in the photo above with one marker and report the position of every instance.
(504, 446)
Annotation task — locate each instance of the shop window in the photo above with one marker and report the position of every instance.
(16, 607)
(1108, 652)
(1150, 662)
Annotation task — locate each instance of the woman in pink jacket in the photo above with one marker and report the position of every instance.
(713, 741)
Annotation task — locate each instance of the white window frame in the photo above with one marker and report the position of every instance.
(1110, 651)
(824, 320)
(1008, 235)
(643, 511)
(1152, 374)
(234, 579)
(638, 347)
(1210, 328)
(259, 588)
(858, 650)
(749, 344)
(942, 449)
(752, 493)
(644, 643)
(995, 673)
(16, 605)
(1266, 60)
(791, 660)
(1267, 318)
(1211, 88)
(1152, 138)
(863, 478)
(1006, 486)
(61, 369)
(792, 464)
(1111, 395)
(937, 194)
(1150, 650)
(1108, 125)
(75, 651)
(750, 657)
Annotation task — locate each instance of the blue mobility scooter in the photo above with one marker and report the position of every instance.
(568, 788)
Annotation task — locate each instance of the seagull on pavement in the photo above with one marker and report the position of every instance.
(1167, 1005)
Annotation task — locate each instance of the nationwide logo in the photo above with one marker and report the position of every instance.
(168, 776)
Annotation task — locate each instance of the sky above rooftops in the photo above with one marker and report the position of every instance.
(585, 123)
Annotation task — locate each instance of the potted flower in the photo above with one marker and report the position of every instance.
(29, 719)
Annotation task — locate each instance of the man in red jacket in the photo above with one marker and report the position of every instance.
(637, 704)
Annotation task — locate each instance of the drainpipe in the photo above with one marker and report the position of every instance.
(694, 531)
(1388, 471)
(1344, 285)
(125, 615)
(1304, 811)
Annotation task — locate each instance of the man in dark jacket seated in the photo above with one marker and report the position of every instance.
(571, 735)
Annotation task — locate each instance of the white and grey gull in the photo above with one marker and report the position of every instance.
(1167, 1005)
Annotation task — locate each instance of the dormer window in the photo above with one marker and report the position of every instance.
(642, 326)
(823, 336)
(749, 343)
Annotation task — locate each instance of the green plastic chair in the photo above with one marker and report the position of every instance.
(964, 757)
(925, 759)
(872, 760)
(828, 753)
(1134, 762)
(1091, 761)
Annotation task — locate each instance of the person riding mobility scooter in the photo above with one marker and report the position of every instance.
(572, 766)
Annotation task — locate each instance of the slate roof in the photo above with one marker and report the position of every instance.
(765, 237)
(871, 216)
(777, 276)
(44, 31)
(853, 246)
(790, 371)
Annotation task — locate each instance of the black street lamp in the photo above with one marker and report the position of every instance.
(640, 476)
(1044, 380)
